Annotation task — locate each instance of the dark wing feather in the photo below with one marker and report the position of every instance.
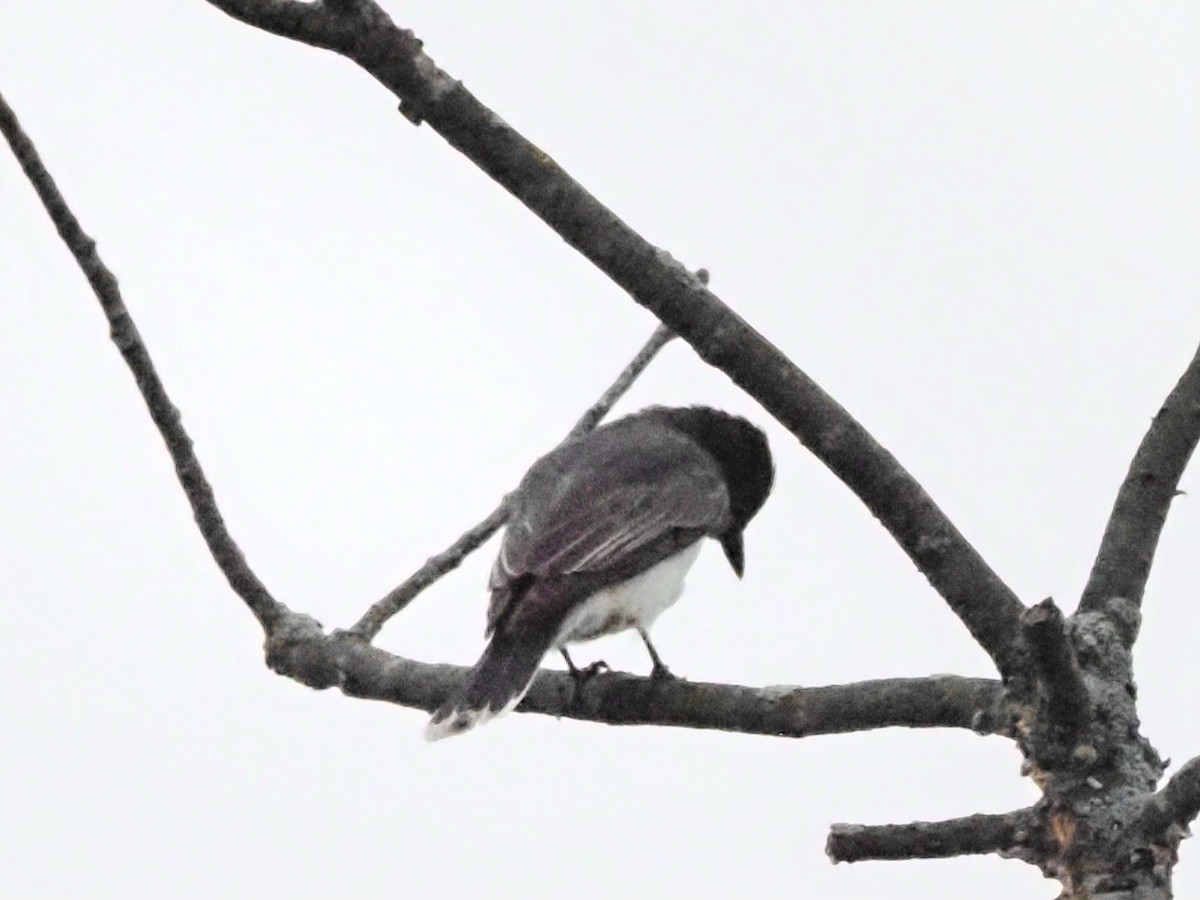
(606, 508)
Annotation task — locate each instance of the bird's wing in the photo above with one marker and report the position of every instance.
(591, 514)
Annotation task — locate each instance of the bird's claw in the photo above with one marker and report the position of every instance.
(592, 670)
(582, 676)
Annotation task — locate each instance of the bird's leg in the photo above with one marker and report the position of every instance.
(660, 669)
(581, 676)
(570, 662)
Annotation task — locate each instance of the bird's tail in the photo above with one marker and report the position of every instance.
(496, 684)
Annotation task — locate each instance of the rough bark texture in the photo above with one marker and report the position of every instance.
(1006, 834)
(301, 650)
(1068, 696)
(1127, 550)
(297, 646)
(394, 56)
(1095, 769)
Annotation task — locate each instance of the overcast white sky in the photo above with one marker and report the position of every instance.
(975, 225)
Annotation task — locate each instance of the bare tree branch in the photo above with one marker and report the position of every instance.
(930, 840)
(590, 419)
(451, 558)
(303, 652)
(1177, 804)
(1120, 841)
(1067, 703)
(394, 56)
(297, 647)
(1127, 549)
(433, 569)
(125, 335)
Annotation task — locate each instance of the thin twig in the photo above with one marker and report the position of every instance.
(590, 419)
(1126, 552)
(434, 568)
(930, 840)
(451, 558)
(297, 647)
(166, 417)
(394, 56)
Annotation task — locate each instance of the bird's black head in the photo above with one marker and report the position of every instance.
(742, 452)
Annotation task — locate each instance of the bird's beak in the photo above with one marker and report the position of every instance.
(731, 543)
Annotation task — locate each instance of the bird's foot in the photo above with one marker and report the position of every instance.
(590, 671)
(582, 676)
(661, 673)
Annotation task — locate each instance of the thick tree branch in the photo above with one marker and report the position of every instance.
(1127, 549)
(125, 335)
(302, 651)
(394, 56)
(1177, 804)
(1067, 705)
(451, 558)
(931, 840)
(297, 647)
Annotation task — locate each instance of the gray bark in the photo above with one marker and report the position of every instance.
(1067, 695)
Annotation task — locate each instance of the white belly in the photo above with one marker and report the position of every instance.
(634, 603)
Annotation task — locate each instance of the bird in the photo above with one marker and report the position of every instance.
(600, 535)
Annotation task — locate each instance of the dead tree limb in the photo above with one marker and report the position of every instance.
(450, 558)
(364, 33)
(1056, 670)
(166, 417)
(1127, 549)
(296, 645)
(1177, 804)
(931, 840)
(302, 651)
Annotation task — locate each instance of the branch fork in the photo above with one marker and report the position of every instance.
(1033, 649)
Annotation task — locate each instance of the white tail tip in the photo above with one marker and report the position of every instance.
(460, 721)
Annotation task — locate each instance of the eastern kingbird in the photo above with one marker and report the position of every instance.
(600, 534)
